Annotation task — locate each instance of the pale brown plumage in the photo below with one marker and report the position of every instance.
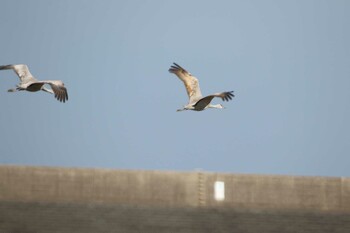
(29, 83)
(191, 82)
(196, 101)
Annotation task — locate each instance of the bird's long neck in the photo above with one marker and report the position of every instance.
(214, 106)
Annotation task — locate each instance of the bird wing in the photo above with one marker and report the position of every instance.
(22, 71)
(59, 89)
(225, 96)
(191, 82)
(202, 103)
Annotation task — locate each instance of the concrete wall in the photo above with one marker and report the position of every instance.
(172, 189)
(43, 184)
(281, 192)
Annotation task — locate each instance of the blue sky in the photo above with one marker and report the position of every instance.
(287, 61)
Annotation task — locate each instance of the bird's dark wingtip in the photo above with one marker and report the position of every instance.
(228, 96)
(175, 67)
(6, 67)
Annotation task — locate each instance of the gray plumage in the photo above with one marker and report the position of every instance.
(196, 101)
(29, 83)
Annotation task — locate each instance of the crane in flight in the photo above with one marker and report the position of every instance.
(29, 83)
(196, 101)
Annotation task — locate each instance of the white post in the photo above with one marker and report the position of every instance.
(219, 190)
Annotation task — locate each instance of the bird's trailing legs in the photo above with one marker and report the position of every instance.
(15, 89)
